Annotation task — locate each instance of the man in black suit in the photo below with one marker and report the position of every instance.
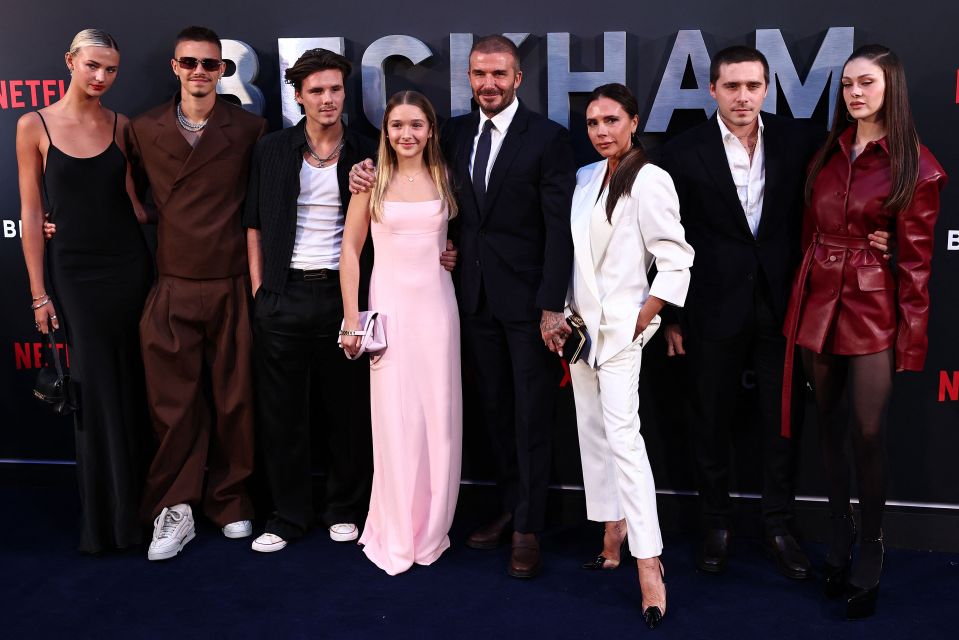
(740, 179)
(514, 173)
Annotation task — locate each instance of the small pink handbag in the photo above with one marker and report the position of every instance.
(372, 335)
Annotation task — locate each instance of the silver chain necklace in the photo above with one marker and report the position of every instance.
(322, 161)
(187, 124)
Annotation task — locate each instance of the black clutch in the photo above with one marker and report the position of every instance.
(578, 343)
(53, 386)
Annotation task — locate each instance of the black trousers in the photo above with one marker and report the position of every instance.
(517, 377)
(303, 379)
(715, 369)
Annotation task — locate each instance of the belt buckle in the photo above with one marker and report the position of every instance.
(316, 274)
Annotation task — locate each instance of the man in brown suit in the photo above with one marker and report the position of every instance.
(195, 153)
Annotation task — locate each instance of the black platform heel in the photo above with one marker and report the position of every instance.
(834, 577)
(861, 601)
(653, 615)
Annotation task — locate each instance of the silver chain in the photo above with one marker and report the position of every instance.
(187, 124)
(322, 161)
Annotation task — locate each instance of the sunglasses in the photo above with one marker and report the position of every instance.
(208, 64)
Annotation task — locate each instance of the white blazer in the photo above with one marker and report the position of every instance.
(645, 230)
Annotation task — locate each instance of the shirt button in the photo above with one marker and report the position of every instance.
(477, 263)
(832, 258)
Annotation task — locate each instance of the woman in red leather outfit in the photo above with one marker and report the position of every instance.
(857, 317)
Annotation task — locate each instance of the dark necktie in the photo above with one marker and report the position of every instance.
(480, 160)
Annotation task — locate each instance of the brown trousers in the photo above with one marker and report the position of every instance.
(191, 330)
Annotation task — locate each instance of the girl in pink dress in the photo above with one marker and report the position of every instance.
(416, 397)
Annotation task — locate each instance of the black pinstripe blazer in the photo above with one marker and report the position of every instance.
(272, 193)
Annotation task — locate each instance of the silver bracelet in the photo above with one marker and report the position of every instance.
(38, 305)
(344, 332)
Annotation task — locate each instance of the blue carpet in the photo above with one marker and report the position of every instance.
(219, 588)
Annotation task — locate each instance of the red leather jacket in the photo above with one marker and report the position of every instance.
(846, 300)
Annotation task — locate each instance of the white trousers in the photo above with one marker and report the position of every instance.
(616, 472)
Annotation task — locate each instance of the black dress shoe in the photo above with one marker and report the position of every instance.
(789, 556)
(714, 551)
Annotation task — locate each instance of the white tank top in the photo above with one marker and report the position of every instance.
(319, 219)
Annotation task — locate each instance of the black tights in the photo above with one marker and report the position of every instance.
(867, 380)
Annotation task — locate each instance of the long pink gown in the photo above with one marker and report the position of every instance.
(415, 390)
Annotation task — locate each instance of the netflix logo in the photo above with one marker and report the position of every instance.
(30, 94)
(948, 386)
(27, 355)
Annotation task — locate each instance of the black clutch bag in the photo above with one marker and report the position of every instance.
(53, 386)
(578, 343)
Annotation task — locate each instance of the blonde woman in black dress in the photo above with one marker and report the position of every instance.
(91, 279)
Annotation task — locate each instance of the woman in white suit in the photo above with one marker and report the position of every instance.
(625, 219)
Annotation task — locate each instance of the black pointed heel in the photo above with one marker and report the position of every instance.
(653, 616)
(599, 562)
(834, 577)
(861, 601)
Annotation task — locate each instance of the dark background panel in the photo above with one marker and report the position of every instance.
(924, 432)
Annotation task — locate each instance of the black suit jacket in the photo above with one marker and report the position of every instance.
(729, 262)
(272, 193)
(518, 246)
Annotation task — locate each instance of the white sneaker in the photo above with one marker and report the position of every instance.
(344, 532)
(172, 529)
(238, 529)
(268, 543)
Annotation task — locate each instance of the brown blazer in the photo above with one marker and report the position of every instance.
(198, 191)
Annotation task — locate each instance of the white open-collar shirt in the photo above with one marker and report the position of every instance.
(749, 177)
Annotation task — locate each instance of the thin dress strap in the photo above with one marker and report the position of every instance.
(114, 125)
(44, 123)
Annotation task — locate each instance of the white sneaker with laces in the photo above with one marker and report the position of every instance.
(238, 529)
(172, 529)
(268, 543)
(344, 532)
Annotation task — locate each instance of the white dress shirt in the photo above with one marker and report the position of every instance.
(501, 122)
(749, 178)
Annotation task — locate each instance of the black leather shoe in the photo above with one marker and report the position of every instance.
(789, 556)
(714, 551)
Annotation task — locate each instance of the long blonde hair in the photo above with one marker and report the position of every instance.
(432, 156)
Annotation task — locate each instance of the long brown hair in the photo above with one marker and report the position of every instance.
(432, 156)
(621, 182)
(901, 136)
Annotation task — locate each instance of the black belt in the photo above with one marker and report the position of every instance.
(314, 274)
